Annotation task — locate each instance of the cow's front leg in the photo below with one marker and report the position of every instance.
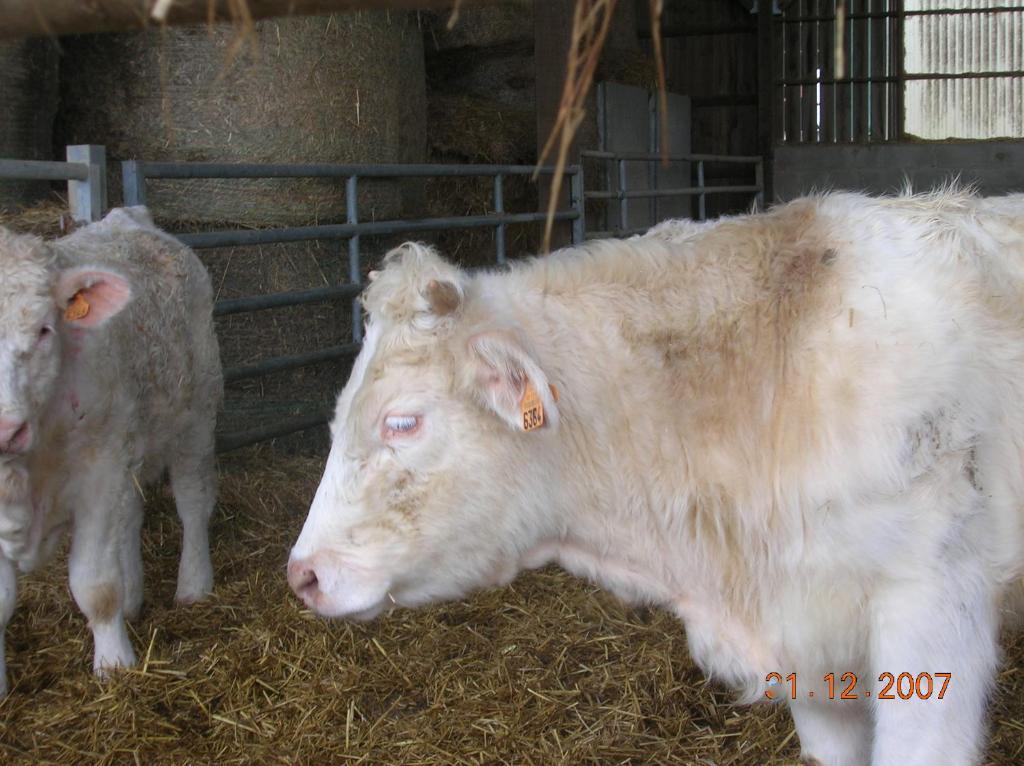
(8, 596)
(97, 580)
(832, 732)
(944, 624)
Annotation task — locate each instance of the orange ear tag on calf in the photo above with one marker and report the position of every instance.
(77, 309)
(531, 409)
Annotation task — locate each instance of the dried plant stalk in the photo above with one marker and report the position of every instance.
(591, 22)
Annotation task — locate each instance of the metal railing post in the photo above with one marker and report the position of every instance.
(88, 199)
(623, 202)
(134, 182)
(702, 210)
(579, 225)
(652, 147)
(354, 267)
(759, 182)
(499, 208)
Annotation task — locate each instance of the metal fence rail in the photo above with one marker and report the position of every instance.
(623, 194)
(86, 174)
(136, 173)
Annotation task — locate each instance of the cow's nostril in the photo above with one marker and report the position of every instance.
(20, 436)
(303, 580)
(308, 582)
(14, 436)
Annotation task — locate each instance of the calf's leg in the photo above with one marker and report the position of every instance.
(194, 484)
(8, 596)
(131, 562)
(109, 503)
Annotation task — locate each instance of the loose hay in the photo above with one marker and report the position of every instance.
(546, 671)
(46, 219)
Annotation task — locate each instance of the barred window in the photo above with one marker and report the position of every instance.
(881, 70)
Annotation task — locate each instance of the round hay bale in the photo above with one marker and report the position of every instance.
(28, 92)
(482, 27)
(346, 88)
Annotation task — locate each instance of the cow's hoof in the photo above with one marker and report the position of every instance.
(195, 586)
(113, 648)
(193, 595)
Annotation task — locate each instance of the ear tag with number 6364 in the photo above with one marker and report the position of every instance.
(531, 409)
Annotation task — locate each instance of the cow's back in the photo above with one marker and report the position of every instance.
(778, 362)
(155, 366)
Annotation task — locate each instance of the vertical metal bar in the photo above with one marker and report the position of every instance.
(134, 183)
(623, 202)
(819, 71)
(602, 145)
(499, 208)
(652, 148)
(851, 68)
(576, 191)
(870, 73)
(899, 122)
(759, 182)
(837, 41)
(88, 199)
(354, 267)
(701, 199)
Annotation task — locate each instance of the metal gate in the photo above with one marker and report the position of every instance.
(86, 172)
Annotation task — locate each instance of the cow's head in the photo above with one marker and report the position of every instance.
(44, 311)
(433, 485)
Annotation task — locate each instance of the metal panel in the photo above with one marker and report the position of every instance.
(676, 174)
(630, 124)
(626, 128)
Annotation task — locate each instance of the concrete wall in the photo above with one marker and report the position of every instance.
(997, 166)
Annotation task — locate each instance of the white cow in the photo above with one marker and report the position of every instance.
(109, 374)
(801, 431)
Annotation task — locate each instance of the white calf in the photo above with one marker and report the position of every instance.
(109, 375)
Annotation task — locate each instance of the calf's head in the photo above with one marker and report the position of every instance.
(44, 312)
(433, 486)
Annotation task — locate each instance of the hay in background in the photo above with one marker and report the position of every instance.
(548, 670)
(46, 219)
(346, 88)
(28, 95)
(476, 130)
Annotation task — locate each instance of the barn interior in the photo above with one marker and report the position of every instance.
(763, 100)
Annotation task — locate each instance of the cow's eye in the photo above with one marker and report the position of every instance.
(45, 332)
(401, 425)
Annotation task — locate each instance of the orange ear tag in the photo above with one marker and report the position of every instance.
(554, 391)
(531, 409)
(77, 309)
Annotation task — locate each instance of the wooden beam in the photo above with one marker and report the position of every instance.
(31, 18)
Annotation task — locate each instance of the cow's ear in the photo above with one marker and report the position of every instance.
(88, 297)
(506, 379)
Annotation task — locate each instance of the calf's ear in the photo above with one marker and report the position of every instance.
(88, 297)
(506, 379)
